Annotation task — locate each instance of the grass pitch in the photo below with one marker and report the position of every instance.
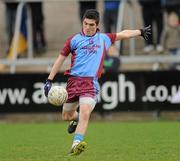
(107, 141)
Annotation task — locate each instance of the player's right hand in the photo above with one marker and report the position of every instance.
(47, 86)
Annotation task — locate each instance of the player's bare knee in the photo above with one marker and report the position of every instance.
(67, 116)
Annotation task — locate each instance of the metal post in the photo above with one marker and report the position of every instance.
(16, 36)
(120, 21)
(29, 33)
(132, 26)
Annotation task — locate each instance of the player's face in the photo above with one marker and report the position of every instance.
(89, 27)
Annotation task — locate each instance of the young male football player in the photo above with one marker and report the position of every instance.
(87, 49)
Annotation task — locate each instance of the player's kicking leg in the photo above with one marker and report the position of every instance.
(70, 114)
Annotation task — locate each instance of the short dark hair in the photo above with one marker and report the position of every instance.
(92, 14)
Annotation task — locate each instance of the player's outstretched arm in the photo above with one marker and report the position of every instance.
(59, 61)
(126, 34)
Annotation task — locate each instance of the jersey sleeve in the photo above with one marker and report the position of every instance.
(67, 47)
(112, 37)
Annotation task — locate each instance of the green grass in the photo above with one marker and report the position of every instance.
(113, 141)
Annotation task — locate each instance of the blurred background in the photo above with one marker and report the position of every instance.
(140, 78)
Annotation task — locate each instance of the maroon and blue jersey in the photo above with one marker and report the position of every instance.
(87, 53)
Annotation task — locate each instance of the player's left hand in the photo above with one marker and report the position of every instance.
(145, 32)
(47, 86)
